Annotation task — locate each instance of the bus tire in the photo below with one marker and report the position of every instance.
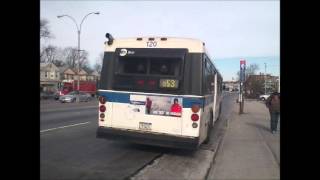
(209, 127)
(220, 107)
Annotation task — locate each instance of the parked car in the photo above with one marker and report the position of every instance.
(72, 96)
(264, 97)
(57, 95)
(46, 95)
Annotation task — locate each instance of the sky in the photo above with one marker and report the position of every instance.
(231, 30)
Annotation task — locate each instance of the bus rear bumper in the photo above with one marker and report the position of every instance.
(148, 138)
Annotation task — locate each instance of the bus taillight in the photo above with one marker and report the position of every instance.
(194, 117)
(195, 108)
(102, 108)
(102, 100)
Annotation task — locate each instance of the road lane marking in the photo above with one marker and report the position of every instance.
(64, 126)
(65, 109)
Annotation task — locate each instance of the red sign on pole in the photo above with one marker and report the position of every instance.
(242, 70)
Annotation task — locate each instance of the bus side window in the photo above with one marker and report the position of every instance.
(209, 78)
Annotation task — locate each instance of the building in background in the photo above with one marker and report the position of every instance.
(231, 86)
(256, 85)
(49, 77)
(70, 74)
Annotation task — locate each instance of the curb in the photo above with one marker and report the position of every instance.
(68, 109)
(221, 141)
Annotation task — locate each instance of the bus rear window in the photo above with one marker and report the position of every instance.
(148, 74)
(149, 66)
(132, 65)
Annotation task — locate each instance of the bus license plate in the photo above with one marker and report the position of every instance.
(145, 126)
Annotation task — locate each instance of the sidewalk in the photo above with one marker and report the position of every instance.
(248, 150)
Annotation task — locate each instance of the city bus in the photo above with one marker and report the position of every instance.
(160, 91)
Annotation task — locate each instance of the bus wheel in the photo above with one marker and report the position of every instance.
(209, 127)
(220, 109)
(206, 141)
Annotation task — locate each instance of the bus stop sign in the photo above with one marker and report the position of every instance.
(242, 70)
(242, 64)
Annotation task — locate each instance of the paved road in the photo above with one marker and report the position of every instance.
(70, 150)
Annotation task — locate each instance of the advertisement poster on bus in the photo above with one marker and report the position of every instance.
(165, 106)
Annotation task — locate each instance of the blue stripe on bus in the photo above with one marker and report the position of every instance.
(188, 102)
(125, 98)
(116, 97)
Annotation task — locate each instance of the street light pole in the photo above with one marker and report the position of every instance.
(78, 68)
(279, 84)
(78, 32)
(265, 76)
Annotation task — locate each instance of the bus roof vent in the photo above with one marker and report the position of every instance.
(163, 39)
(139, 39)
(151, 39)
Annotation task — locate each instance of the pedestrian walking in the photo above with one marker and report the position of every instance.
(273, 104)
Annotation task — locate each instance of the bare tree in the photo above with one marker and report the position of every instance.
(44, 29)
(253, 86)
(252, 69)
(70, 57)
(84, 62)
(58, 63)
(46, 52)
(87, 68)
(42, 54)
(49, 54)
(98, 64)
(59, 57)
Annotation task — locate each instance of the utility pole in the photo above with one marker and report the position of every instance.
(78, 33)
(279, 85)
(265, 76)
(241, 81)
(279, 82)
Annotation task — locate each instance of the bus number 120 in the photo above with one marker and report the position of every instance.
(151, 44)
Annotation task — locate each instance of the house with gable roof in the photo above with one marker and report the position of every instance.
(49, 77)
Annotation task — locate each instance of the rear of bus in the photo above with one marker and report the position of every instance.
(144, 95)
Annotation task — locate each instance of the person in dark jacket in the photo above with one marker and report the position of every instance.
(148, 105)
(273, 104)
